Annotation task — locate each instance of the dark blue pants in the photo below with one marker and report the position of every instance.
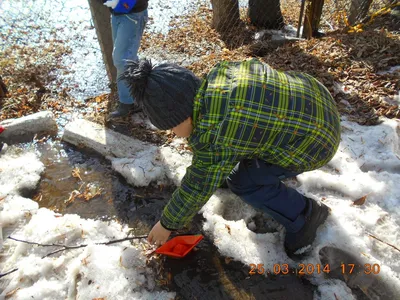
(259, 184)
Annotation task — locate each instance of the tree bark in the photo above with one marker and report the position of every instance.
(312, 18)
(225, 15)
(265, 13)
(101, 19)
(358, 11)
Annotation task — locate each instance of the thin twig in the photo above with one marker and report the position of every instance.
(9, 272)
(384, 242)
(34, 243)
(64, 247)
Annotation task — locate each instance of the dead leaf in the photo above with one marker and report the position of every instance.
(228, 260)
(85, 260)
(228, 227)
(72, 197)
(10, 294)
(360, 201)
(76, 173)
(169, 277)
(37, 198)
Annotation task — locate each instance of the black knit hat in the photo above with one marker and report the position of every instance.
(166, 91)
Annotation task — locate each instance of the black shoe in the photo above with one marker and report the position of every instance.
(306, 236)
(318, 34)
(124, 110)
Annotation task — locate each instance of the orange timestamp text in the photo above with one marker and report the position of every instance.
(308, 269)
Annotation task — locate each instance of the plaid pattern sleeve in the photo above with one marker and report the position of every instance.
(249, 110)
(202, 178)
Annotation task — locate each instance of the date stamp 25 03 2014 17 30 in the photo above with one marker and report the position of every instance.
(309, 269)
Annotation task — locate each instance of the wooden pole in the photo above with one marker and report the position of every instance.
(312, 18)
(303, 3)
(358, 11)
(101, 19)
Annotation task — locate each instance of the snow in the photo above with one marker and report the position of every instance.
(18, 173)
(391, 70)
(163, 165)
(333, 290)
(366, 164)
(115, 271)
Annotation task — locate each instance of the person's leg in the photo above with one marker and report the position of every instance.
(259, 184)
(127, 33)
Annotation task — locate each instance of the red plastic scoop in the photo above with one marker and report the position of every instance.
(179, 246)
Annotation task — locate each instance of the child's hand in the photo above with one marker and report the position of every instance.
(158, 235)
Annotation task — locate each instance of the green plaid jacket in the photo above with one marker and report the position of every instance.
(246, 110)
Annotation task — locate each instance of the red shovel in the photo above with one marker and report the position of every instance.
(179, 246)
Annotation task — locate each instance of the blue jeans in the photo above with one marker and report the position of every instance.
(259, 184)
(127, 31)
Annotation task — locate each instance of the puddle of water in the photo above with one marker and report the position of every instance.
(139, 208)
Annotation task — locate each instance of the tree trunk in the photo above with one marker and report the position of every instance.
(358, 11)
(265, 13)
(312, 18)
(225, 14)
(101, 20)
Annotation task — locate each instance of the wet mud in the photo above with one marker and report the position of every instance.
(205, 274)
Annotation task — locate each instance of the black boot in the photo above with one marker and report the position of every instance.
(316, 214)
(318, 34)
(124, 110)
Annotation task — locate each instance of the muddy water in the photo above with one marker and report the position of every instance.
(115, 200)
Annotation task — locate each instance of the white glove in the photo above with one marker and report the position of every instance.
(111, 3)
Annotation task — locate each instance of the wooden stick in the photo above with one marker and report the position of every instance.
(9, 272)
(384, 242)
(303, 2)
(65, 247)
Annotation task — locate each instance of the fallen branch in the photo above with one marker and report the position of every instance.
(384, 242)
(9, 272)
(64, 247)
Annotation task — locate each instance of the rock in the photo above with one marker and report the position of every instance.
(24, 129)
(375, 285)
(140, 163)
(273, 41)
(83, 133)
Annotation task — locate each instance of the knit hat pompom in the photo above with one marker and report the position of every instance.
(166, 91)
